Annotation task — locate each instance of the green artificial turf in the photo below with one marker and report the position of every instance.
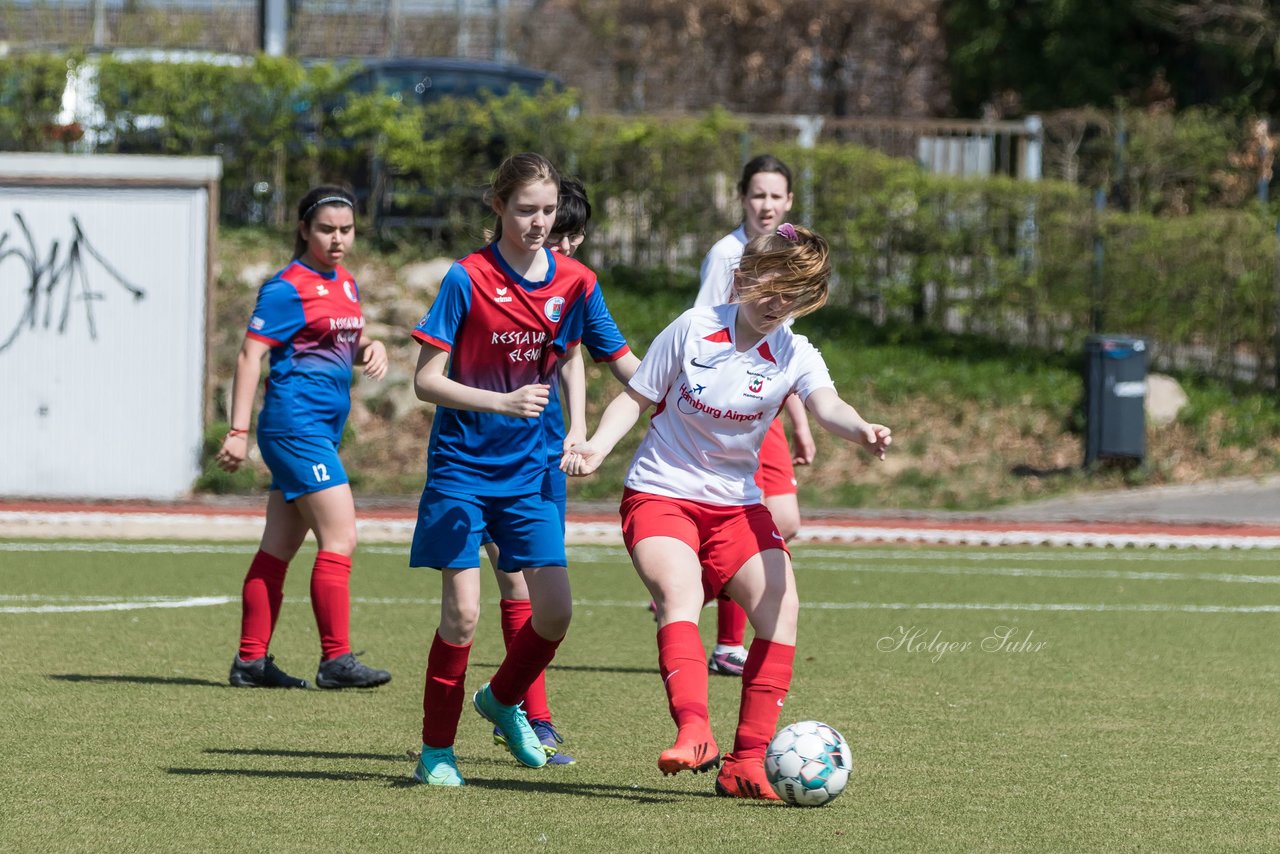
(1134, 706)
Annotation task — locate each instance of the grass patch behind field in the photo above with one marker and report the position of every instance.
(1146, 724)
(976, 423)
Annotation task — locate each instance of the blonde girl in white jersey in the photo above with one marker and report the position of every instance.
(691, 514)
(764, 192)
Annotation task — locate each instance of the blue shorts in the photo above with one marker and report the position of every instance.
(300, 465)
(528, 530)
(556, 482)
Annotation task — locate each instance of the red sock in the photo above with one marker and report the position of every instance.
(260, 604)
(515, 613)
(683, 667)
(731, 623)
(528, 655)
(444, 692)
(765, 682)
(331, 602)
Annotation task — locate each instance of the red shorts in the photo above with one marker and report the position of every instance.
(776, 475)
(725, 536)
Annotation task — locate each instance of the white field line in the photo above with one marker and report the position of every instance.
(902, 563)
(1083, 607)
(230, 527)
(1065, 537)
(850, 561)
(119, 605)
(804, 555)
(1008, 554)
(1038, 572)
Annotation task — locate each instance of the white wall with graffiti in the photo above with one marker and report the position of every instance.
(103, 283)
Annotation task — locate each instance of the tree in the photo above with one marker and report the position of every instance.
(1041, 55)
(833, 57)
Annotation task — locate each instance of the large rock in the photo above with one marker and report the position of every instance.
(424, 277)
(253, 275)
(1165, 399)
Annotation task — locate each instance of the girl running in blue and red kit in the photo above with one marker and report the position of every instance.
(308, 318)
(692, 515)
(605, 343)
(503, 329)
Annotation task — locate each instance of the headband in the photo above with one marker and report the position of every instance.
(327, 200)
(788, 232)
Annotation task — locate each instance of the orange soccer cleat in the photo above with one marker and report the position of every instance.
(744, 778)
(696, 753)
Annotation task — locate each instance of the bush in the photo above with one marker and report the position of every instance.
(31, 87)
(1030, 263)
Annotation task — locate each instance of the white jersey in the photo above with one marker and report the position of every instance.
(715, 405)
(718, 266)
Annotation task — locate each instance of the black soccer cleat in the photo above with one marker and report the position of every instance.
(346, 671)
(262, 673)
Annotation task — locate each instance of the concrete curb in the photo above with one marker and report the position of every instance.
(240, 521)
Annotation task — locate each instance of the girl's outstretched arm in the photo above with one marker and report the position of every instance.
(841, 419)
(619, 417)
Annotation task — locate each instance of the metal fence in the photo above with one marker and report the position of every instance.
(942, 146)
(316, 28)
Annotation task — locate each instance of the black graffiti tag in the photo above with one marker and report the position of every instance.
(56, 283)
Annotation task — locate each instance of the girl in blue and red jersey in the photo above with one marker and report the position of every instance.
(503, 329)
(692, 515)
(308, 318)
(606, 344)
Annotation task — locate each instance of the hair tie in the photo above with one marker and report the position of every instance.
(327, 200)
(788, 232)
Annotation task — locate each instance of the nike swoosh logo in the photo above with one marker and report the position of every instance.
(669, 675)
(779, 704)
(777, 536)
(698, 364)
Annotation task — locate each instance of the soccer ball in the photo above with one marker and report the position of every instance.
(808, 763)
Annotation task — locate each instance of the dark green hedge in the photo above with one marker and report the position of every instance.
(1033, 263)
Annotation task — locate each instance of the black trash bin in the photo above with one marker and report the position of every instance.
(1115, 396)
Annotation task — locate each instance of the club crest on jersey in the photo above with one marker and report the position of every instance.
(348, 288)
(755, 385)
(554, 308)
(501, 295)
(321, 290)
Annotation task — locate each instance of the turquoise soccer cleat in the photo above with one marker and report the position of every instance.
(437, 766)
(550, 738)
(514, 727)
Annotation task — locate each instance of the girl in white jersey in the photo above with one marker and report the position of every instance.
(691, 514)
(765, 194)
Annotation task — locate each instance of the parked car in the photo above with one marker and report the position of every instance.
(430, 79)
(394, 199)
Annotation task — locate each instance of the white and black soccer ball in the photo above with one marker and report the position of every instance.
(808, 763)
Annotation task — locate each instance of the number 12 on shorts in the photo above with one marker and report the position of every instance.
(321, 472)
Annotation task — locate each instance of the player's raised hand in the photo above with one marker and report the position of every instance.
(527, 401)
(375, 360)
(581, 460)
(876, 438)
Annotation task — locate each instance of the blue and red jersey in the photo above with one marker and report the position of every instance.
(502, 332)
(604, 341)
(313, 323)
